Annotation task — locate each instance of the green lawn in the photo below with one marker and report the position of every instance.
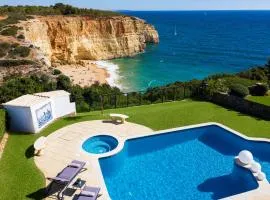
(260, 99)
(2, 123)
(19, 176)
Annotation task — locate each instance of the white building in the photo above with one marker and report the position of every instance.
(31, 113)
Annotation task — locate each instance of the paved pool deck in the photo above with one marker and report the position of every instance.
(64, 145)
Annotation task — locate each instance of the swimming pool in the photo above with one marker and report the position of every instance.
(196, 163)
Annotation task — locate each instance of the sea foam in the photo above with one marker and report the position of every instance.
(113, 70)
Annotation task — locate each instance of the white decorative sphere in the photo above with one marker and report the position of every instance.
(255, 167)
(261, 176)
(245, 157)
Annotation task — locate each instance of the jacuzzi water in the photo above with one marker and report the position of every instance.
(194, 164)
(100, 144)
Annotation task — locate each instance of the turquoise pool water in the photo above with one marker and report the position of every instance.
(196, 163)
(100, 144)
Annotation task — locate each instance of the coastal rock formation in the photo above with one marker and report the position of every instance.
(67, 40)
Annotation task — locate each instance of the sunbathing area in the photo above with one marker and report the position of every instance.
(64, 145)
(99, 156)
(80, 174)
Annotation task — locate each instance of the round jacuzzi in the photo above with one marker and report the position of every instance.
(100, 144)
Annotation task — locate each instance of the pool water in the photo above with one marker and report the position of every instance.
(196, 163)
(100, 144)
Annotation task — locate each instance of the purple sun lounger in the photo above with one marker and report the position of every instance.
(89, 193)
(67, 174)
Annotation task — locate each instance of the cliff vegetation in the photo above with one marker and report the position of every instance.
(92, 97)
(57, 9)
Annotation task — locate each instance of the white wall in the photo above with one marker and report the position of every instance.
(63, 106)
(25, 119)
(20, 119)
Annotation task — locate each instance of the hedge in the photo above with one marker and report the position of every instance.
(2, 123)
(239, 90)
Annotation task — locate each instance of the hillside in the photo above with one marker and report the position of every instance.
(70, 36)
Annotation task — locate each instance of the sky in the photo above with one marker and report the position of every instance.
(153, 4)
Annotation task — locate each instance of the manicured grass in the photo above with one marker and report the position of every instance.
(20, 177)
(2, 123)
(265, 100)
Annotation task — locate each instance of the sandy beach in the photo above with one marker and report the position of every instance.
(85, 74)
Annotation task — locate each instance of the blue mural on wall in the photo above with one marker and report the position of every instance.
(44, 115)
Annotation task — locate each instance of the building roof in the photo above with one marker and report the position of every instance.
(56, 93)
(26, 101)
(33, 99)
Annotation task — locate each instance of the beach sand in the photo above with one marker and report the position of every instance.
(85, 74)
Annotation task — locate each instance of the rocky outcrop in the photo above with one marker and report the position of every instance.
(71, 39)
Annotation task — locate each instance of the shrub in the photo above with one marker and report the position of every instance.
(11, 63)
(257, 73)
(4, 47)
(239, 90)
(21, 37)
(258, 89)
(13, 18)
(63, 83)
(238, 80)
(20, 51)
(82, 106)
(56, 72)
(10, 31)
(216, 86)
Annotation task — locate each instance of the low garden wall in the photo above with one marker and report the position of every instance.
(242, 105)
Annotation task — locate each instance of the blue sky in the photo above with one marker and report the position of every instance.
(154, 4)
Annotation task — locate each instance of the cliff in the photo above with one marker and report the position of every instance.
(67, 40)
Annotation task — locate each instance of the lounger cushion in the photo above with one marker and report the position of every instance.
(88, 193)
(95, 190)
(70, 172)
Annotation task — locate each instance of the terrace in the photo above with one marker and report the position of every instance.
(18, 166)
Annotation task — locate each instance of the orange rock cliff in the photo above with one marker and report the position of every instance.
(67, 40)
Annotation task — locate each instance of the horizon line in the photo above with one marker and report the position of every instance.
(193, 10)
(154, 10)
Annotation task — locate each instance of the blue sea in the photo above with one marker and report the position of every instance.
(196, 44)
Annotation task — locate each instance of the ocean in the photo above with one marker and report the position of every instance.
(194, 45)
